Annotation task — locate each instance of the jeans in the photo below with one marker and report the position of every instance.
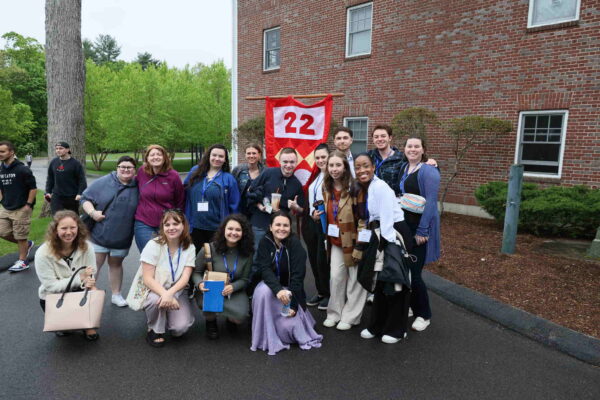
(143, 233)
(259, 233)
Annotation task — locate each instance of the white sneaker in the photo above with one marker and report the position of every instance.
(370, 298)
(342, 326)
(410, 313)
(390, 339)
(420, 324)
(118, 300)
(19, 266)
(329, 323)
(365, 334)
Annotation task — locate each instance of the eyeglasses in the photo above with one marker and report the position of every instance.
(125, 168)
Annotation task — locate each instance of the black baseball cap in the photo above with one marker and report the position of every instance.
(63, 144)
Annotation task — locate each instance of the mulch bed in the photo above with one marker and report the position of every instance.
(560, 289)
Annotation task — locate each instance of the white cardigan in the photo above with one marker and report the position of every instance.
(54, 274)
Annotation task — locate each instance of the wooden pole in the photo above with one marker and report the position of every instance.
(296, 96)
(513, 202)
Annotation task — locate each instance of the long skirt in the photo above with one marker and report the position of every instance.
(273, 332)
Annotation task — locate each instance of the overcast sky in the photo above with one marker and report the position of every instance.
(177, 31)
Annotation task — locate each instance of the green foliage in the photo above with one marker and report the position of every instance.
(572, 212)
(16, 120)
(413, 122)
(105, 49)
(37, 230)
(252, 130)
(145, 60)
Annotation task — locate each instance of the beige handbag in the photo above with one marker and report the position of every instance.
(73, 310)
(209, 274)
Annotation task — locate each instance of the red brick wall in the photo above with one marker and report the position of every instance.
(456, 57)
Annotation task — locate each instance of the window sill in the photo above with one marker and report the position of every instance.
(359, 57)
(559, 25)
(541, 178)
(270, 71)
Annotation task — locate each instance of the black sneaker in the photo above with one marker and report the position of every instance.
(212, 330)
(315, 300)
(323, 303)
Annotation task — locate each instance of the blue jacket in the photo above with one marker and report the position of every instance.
(429, 225)
(222, 195)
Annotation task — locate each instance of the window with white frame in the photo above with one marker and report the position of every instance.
(541, 141)
(271, 48)
(358, 30)
(550, 12)
(359, 126)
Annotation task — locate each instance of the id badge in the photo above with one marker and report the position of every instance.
(333, 230)
(203, 206)
(364, 236)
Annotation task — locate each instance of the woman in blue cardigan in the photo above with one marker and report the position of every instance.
(421, 179)
(211, 194)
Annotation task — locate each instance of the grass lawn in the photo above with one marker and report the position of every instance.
(37, 230)
(111, 165)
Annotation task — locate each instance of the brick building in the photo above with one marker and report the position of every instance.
(534, 63)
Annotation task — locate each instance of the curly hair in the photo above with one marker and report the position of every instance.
(55, 244)
(185, 240)
(167, 165)
(245, 245)
(204, 164)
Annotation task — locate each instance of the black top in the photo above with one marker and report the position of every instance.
(65, 178)
(271, 180)
(292, 267)
(411, 185)
(16, 181)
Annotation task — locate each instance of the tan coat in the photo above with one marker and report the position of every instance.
(347, 224)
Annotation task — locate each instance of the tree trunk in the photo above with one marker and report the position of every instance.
(65, 76)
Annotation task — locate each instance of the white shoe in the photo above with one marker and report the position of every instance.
(410, 313)
(365, 334)
(390, 339)
(329, 323)
(370, 298)
(420, 324)
(19, 266)
(342, 326)
(118, 300)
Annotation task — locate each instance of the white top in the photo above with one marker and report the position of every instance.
(54, 273)
(350, 159)
(384, 207)
(158, 255)
(315, 191)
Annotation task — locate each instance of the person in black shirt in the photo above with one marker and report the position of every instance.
(66, 180)
(17, 190)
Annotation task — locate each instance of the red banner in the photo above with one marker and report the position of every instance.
(289, 123)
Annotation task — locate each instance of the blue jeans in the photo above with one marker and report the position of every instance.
(143, 233)
(259, 233)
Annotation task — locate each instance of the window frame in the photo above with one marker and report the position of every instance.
(562, 21)
(366, 140)
(265, 50)
(348, 11)
(563, 139)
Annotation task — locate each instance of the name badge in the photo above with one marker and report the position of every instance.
(203, 206)
(364, 235)
(333, 230)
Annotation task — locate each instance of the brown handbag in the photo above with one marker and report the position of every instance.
(209, 274)
(73, 310)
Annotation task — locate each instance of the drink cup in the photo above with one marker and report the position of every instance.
(275, 200)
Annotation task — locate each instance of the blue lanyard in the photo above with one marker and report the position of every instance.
(231, 274)
(316, 186)
(206, 183)
(335, 203)
(377, 166)
(173, 271)
(278, 254)
(367, 206)
(405, 176)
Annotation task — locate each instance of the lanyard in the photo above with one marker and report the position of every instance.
(367, 207)
(278, 254)
(335, 203)
(317, 182)
(405, 176)
(379, 163)
(206, 183)
(231, 274)
(173, 271)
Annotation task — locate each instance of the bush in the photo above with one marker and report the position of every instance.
(572, 212)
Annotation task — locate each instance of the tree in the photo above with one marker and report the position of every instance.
(106, 49)
(413, 122)
(88, 50)
(145, 60)
(467, 133)
(252, 130)
(65, 75)
(16, 120)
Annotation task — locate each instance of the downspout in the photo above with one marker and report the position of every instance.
(234, 82)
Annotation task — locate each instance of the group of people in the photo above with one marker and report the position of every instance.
(359, 239)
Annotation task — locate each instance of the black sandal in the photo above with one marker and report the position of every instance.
(152, 337)
(91, 337)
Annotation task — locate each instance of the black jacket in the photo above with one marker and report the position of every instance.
(65, 178)
(264, 264)
(16, 181)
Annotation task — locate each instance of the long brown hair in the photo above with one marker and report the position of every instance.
(54, 242)
(167, 165)
(204, 164)
(185, 239)
(424, 157)
(346, 178)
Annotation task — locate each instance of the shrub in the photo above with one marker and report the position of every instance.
(572, 212)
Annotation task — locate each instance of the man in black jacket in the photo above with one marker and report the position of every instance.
(66, 180)
(17, 189)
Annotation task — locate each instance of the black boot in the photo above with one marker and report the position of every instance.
(212, 330)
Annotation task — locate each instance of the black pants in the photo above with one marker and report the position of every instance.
(43, 304)
(317, 254)
(58, 203)
(389, 313)
(419, 300)
(201, 236)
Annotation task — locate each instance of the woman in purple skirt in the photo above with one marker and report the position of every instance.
(279, 303)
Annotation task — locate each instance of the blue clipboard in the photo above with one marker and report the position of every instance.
(213, 299)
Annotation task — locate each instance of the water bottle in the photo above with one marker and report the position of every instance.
(285, 309)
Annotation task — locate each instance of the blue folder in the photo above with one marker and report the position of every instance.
(213, 299)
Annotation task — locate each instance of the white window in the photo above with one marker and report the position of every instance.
(549, 12)
(541, 142)
(271, 48)
(359, 126)
(358, 30)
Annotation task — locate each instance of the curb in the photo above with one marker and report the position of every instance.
(583, 347)
(7, 260)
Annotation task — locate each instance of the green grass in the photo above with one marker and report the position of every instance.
(36, 231)
(111, 165)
